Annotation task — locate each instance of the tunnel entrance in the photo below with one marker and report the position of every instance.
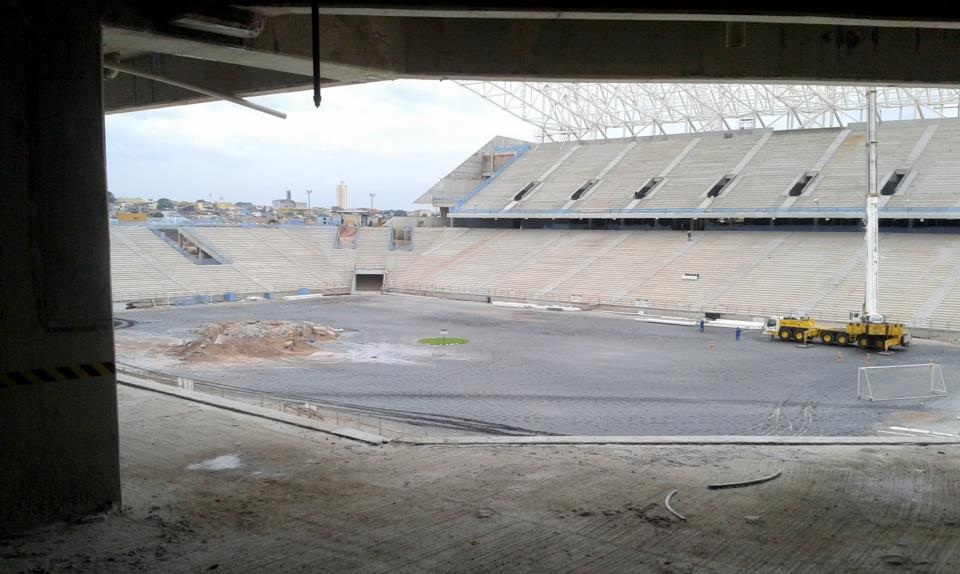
(369, 281)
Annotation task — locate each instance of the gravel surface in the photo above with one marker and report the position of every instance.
(583, 373)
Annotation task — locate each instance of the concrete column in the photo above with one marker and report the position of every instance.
(58, 409)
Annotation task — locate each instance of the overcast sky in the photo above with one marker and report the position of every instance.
(395, 139)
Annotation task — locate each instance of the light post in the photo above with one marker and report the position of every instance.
(309, 192)
(372, 195)
(816, 201)
(908, 205)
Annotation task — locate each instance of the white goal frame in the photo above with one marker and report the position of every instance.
(938, 387)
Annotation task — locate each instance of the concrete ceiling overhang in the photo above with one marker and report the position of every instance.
(559, 42)
(832, 13)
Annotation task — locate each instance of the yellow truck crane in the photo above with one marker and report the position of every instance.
(880, 336)
(867, 329)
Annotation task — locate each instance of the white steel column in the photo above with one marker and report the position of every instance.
(873, 200)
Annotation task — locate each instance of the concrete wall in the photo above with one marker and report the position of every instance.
(58, 413)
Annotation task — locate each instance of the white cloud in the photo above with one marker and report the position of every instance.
(394, 139)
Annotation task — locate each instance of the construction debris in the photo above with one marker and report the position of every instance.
(670, 508)
(263, 339)
(746, 482)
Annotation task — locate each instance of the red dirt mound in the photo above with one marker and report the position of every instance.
(233, 340)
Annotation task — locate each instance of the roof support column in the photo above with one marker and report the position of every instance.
(58, 408)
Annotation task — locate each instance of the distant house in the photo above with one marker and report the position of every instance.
(359, 218)
(132, 204)
(329, 220)
(286, 203)
(126, 217)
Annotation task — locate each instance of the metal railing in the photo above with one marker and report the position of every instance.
(345, 416)
(191, 222)
(798, 212)
(177, 297)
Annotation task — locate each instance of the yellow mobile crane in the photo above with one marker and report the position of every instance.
(867, 329)
(864, 334)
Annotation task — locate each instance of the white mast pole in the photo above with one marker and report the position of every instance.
(872, 239)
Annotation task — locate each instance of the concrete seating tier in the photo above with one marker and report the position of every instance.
(752, 273)
(765, 164)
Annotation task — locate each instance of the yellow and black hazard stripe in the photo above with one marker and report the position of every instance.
(56, 374)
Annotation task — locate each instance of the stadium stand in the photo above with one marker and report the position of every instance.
(737, 272)
(645, 160)
(937, 171)
(713, 158)
(844, 177)
(557, 189)
(736, 266)
(762, 166)
(530, 167)
(753, 273)
(144, 267)
(785, 157)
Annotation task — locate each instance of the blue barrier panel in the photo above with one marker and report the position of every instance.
(229, 296)
(303, 291)
(268, 295)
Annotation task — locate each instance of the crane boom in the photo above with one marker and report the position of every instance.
(867, 329)
(871, 311)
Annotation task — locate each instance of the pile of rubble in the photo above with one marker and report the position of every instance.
(263, 339)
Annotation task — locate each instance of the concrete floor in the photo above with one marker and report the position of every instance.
(582, 373)
(300, 501)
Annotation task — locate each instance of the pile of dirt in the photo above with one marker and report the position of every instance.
(233, 340)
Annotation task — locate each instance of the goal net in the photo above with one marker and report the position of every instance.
(894, 382)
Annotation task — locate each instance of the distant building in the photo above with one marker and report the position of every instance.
(287, 203)
(360, 218)
(341, 196)
(131, 217)
(329, 220)
(133, 204)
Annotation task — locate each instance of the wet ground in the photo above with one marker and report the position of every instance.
(584, 373)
